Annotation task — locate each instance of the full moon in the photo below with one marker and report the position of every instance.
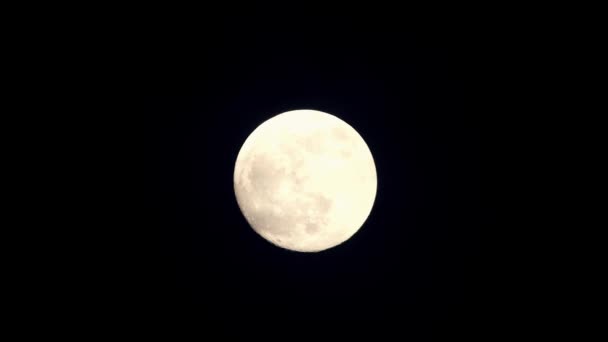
(305, 180)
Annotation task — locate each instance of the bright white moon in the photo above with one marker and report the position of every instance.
(305, 180)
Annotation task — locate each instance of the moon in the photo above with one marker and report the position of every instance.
(305, 180)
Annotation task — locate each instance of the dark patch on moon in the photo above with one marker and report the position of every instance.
(341, 134)
(267, 221)
(264, 174)
(346, 153)
(323, 203)
(312, 228)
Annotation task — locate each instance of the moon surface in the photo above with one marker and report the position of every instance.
(305, 180)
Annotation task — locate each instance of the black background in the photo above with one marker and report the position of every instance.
(182, 255)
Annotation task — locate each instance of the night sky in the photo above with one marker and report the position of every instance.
(417, 268)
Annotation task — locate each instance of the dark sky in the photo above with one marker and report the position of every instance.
(196, 90)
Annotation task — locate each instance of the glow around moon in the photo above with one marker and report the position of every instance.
(305, 180)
